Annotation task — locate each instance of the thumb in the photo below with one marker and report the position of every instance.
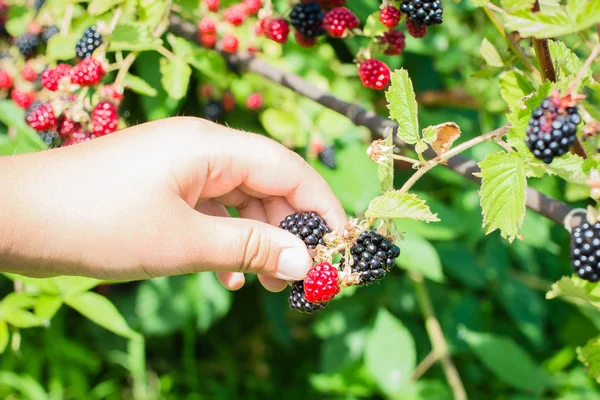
(244, 245)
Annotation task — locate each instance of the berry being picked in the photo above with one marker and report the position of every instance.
(373, 256)
(50, 137)
(395, 41)
(304, 41)
(585, 251)
(390, 16)
(297, 301)
(89, 42)
(416, 31)
(423, 12)
(213, 110)
(22, 99)
(374, 74)
(212, 5)
(207, 25)
(27, 43)
(327, 157)
(105, 119)
(307, 18)
(42, 118)
(276, 30)
(254, 101)
(235, 14)
(552, 129)
(337, 20)
(52, 76)
(321, 283)
(88, 72)
(48, 32)
(307, 226)
(229, 43)
(28, 73)
(252, 6)
(6, 81)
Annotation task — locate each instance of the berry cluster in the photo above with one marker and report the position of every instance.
(585, 251)
(373, 256)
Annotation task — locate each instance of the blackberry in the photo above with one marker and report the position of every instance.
(50, 137)
(48, 32)
(32, 107)
(308, 226)
(38, 4)
(297, 301)
(214, 110)
(551, 132)
(585, 251)
(423, 12)
(327, 157)
(89, 42)
(373, 255)
(307, 18)
(27, 44)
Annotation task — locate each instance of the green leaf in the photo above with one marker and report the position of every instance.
(589, 355)
(47, 306)
(74, 285)
(490, 54)
(4, 336)
(519, 118)
(395, 204)
(480, 3)
(576, 288)
(513, 87)
(418, 255)
(516, 5)
(461, 265)
(569, 167)
(138, 85)
(385, 168)
(583, 13)
(162, 305)
(403, 106)
(24, 384)
(61, 47)
(101, 311)
(132, 37)
(373, 27)
(284, 127)
(175, 77)
(98, 7)
(17, 300)
(161, 105)
(390, 354)
(22, 318)
(13, 116)
(502, 193)
(18, 19)
(211, 300)
(507, 360)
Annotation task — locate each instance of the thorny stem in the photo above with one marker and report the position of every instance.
(124, 68)
(436, 336)
(585, 68)
(429, 360)
(449, 154)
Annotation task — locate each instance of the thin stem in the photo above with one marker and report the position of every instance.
(436, 336)
(585, 67)
(429, 360)
(166, 52)
(66, 22)
(405, 159)
(125, 65)
(449, 154)
(115, 20)
(164, 23)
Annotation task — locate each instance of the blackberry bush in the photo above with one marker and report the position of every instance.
(308, 226)
(585, 251)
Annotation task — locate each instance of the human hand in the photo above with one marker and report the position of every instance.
(150, 201)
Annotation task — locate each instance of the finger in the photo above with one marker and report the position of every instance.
(277, 208)
(272, 284)
(231, 280)
(247, 206)
(211, 207)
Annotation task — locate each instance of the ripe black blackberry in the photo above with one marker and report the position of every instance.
(48, 32)
(327, 157)
(373, 255)
(213, 110)
(89, 42)
(307, 18)
(27, 44)
(51, 138)
(551, 131)
(423, 12)
(308, 226)
(297, 301)
(585, 251)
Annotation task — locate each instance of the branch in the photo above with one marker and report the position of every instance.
(536, 201)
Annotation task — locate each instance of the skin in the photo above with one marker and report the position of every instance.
(150, 201)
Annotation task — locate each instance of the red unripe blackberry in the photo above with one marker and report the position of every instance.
(228, 102)
(396, 42)
(416, 31)
(254, 101)
(390, 16)
(321, 283)
(88, 72)
(212, 5)
(585, 251)
(6, 81)
(423, 12)
(207, 25)
(304, 41)
(89, 42)
(42, 118)
(28, 73)
(52, 76)
(76, 138)
(235, 14)
(229, 43)
(208, 40)
(374, 74)
(105, 119)
(308, 226)
(112, 93)
(276, 30)
(22, 99)
(327, 157)
(337, 20)
(67, 128)
(307, 18)
(552, 130)
(252, 6)
(297, 301)
(373, 256)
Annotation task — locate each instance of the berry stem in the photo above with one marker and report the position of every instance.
(115, 20)
(124, 68)
(436, 336)
(584, 68)
(429, 360)
(405, 159)
(449, 154)
(166, 52)
(66, 22)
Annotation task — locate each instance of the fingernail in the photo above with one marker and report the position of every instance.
(293, 264)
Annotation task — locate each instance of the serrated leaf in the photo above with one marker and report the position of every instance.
(569, 167)
(574, 287)
(589, 355)
(499, 355)
(567, 63)
(403, 106)
(4, 336)
(132, 37)
(175, 77)
(138, 85)
(101, 311)
(395, 204)
(502, 193)
(441, 137)
(490, 54)
(583, 13)
(390, 354)
(516, 5)
(418, 255)
(98, 7)
(514, 86)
